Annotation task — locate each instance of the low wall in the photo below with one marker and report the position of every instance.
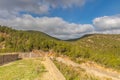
(8, 58)
(13, 57)
(29, 55)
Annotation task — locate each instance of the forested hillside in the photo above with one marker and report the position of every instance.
(103, 49)
(13, 40)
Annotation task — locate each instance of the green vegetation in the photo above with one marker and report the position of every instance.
(1, 39)
(103, 49)
(72, 73)
(25, 41)
(27, 69)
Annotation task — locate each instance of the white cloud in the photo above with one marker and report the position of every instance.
(107, 23)
(117, 31)
(65, 3)
(36, 6)
(57, 27)
(53, 26)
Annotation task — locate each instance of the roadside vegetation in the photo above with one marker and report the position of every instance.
(26, 69)
(72, 73)
(102, 49)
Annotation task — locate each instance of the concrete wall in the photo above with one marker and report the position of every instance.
(13, 57)
(8, 58)
(29, 55)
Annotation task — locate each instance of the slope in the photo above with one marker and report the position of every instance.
(102, 48)
(18, 40)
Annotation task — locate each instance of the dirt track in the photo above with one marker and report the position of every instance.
(97, 71)
(52, 72)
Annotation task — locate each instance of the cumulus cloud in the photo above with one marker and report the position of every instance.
(65, 3)
(54, 26)
(117, 31)
(59, 28)
(107, 23)
(36, 6)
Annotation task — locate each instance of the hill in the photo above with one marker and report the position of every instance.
(12, 40)
(103, 49)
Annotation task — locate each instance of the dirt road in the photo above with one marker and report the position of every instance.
(52, 73)
(97, 71)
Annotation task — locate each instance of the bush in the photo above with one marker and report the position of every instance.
(2, 39)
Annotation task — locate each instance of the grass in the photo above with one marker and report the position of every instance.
(27, 69)
(72, 73)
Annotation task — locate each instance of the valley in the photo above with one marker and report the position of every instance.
(94, 55)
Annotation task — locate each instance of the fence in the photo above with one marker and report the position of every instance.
(8, 58)
(29, 55)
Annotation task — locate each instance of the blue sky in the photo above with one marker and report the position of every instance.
(64, 19)
(86, 13)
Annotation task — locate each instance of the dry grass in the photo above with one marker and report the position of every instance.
(72, 73)
(27, 69)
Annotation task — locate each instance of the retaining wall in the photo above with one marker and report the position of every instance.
(8, 58)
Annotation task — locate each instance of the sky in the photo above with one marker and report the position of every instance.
(63, 19)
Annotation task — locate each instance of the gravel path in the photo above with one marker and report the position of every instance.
(52, 73)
